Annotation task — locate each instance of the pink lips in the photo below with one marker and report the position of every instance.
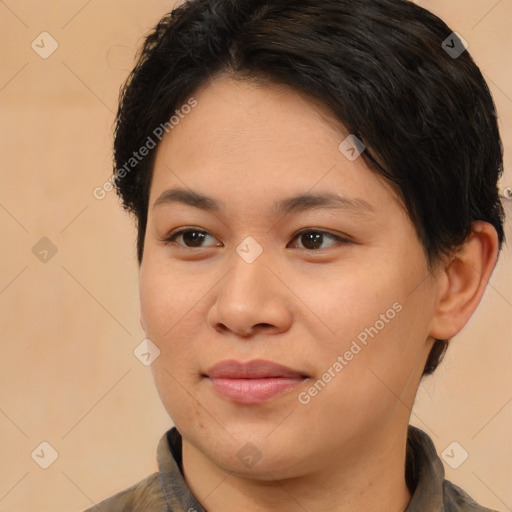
(252, 382)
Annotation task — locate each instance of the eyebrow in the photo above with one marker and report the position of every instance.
(298, 203)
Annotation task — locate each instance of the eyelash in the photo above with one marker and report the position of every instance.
(175, 234)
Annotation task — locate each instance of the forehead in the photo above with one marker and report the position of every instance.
(236, 118)
(250, 142)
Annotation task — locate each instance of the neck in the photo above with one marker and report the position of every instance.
(369, 478)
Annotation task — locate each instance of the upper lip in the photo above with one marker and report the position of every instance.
(255, 369)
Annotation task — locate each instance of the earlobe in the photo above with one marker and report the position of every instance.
(463, 280)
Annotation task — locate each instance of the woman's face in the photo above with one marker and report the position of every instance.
(336, 290)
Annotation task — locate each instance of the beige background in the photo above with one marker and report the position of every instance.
(69, 326)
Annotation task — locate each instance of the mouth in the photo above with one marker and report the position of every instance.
(254, 381)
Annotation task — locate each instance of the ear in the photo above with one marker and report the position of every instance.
(462, 281)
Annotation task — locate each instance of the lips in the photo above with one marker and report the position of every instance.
(255, 369)
(254, 381)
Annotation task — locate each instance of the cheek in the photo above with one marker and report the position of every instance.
(165, 299)
(175, 387)
(173, 309)
(391, 352)
(376, 316)
(370, 373)
(349, 300)
(171, 323)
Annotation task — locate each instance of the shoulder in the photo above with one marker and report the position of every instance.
(144, 496)
(458, 500)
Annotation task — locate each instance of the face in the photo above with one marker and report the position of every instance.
(334, 287)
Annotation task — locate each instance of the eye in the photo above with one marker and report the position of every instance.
(191, 237)
(313, 239)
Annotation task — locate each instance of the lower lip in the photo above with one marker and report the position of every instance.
(253, 391)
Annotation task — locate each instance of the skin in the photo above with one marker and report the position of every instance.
(248, 146)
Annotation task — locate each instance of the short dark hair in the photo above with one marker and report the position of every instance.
(425, 116)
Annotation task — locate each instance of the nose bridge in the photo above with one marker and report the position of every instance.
(249, 275)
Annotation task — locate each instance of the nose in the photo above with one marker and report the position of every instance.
(251, 299)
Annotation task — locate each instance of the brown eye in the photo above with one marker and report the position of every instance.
(313, 240)
(191, 238)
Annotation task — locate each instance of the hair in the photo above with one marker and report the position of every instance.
(426, 118)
